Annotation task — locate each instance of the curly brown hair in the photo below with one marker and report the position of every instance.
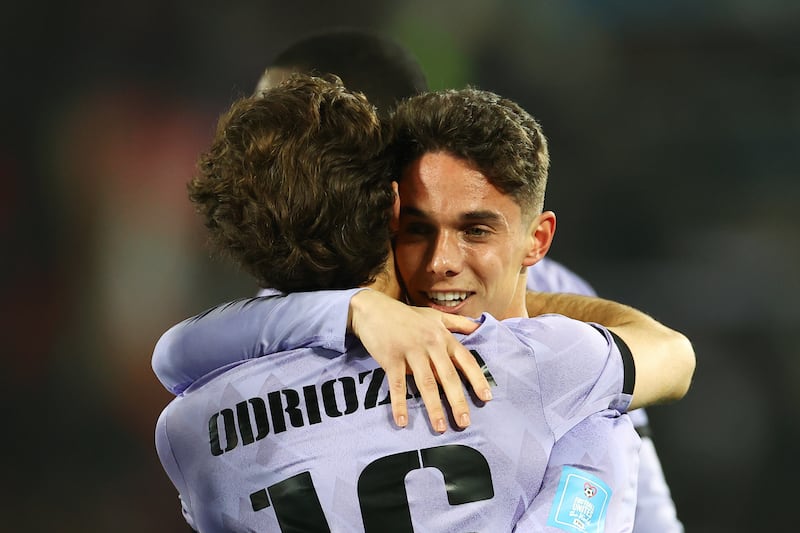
(493, 133)
(296, 189)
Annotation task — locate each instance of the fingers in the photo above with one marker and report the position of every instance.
(457, 323)
(427, 382)
(430, 370)
(428, 387)
(397, 392)
(439, 364)
(472, 371)
(402, 339)
(453, 388)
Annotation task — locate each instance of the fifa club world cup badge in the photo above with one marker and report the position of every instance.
(580, 503)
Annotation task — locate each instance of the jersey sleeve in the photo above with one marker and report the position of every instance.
(591, 479)
(583, 369)
(250, 328)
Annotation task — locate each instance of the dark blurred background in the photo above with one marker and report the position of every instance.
(674, 134)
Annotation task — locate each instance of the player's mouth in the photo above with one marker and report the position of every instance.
(448, 301)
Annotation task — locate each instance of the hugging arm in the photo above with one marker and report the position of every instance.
(664, 358)
(246, 329)
(402, 339)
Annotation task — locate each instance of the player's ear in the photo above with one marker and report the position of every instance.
(394, 224)
(541, 231)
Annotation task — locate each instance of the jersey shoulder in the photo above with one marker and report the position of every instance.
(557, 332)
(549, 275)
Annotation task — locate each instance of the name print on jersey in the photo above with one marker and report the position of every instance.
(251, 420)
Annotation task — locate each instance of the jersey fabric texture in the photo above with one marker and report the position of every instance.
(180, 359)
(303, 440)
(655, 510)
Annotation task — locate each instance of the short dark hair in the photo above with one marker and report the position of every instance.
(368, 62)
(493, 133)
(295, 189)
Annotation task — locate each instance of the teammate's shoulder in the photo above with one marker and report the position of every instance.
(545, 322)
(538, 327)
(548, 275)
(556, 331)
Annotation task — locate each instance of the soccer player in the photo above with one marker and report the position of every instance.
(386, 72)
(365, 61)
(277, 427)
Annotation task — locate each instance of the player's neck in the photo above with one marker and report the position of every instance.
(518, 308)
(386, 282)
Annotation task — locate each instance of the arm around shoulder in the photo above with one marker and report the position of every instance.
(249, 328)
(664, 358)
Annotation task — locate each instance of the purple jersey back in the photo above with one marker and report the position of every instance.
(304, 438)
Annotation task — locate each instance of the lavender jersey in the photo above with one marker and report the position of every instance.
(655, 510)
(302, 440)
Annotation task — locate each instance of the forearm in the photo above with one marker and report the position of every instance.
(664, 358)
(579, 307)
(247, 329)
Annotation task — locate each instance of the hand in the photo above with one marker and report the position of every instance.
(417, 340)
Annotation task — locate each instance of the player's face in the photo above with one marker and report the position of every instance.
(462, 245)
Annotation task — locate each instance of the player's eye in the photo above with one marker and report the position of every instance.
(476, 231)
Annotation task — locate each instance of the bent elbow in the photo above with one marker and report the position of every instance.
(163, 357)
(683, 358)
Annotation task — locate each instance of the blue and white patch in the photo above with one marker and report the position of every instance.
(581, 502)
